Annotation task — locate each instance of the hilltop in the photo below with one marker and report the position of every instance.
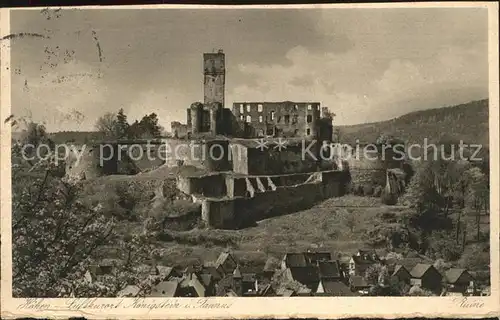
(467, 122)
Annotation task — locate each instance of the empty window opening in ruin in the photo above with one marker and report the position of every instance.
(242, 117)
(272, 115)
(287, 119)
(296, 107)
(249, 119)
(261, 119)
(309, 107)
(308, 131)
(259, 108)
(309, 118)
(241, 108)
(295, 119)
(248, 108)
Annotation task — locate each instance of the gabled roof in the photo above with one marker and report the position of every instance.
(223, 257)
(329, 269)
(163, 271)
(195, 284)
(453, 274)
(165, 289)
(129, 291)
(237, 273)
(294, 260)
(211, 270)
(308, 276)
(399, 268)
(206, 279)
(336, 288)
(420, 269)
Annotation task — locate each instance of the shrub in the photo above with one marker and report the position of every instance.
(389, 198)
(368, 189)
(443, 246)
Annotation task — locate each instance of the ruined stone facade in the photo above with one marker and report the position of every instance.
(287, 118)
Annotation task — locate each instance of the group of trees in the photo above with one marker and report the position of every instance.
(116, 126)
(444, 194)
(57, 237)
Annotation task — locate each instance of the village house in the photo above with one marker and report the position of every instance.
(313, 257)
(360, 261)
(166, 289)
(427, 277)
(308, 276)
(129, 291)
(245, 284)
(225, 263)
(333, 288)
(294, 260)
(359, 284)
(160, 273)
(103, 268)
(401, 274)
(460, 281)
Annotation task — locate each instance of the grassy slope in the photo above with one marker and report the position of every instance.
(321, 226)
(468, 121)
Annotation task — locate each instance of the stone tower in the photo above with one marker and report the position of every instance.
(214, 80)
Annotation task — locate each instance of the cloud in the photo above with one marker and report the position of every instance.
(358, 89)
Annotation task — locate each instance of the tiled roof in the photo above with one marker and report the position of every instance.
(420, 269)
(329, 269)
(453, 274)
(294, 260)
(399, 268)
(211, 270)
(308, 276)
(129, 291)
(336, 288)
(165, 289)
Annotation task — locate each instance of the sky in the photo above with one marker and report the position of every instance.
(365, 65)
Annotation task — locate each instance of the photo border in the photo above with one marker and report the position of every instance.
(256, 307)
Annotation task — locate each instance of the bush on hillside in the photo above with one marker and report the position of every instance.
(442, 245)
(368, 190)
(388, 198)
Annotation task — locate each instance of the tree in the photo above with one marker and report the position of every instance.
(477, 195)
(107, 124)
(122, 126)
(54, 235)
(146, 128)
(377, 274)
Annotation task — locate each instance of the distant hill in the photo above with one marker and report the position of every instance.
(467, 122)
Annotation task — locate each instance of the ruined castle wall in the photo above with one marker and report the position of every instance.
(272, 202)
(184, 152)
(218, 213)
(213, 185)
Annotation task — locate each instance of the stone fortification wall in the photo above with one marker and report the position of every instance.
(254, 198)
(212, 154)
